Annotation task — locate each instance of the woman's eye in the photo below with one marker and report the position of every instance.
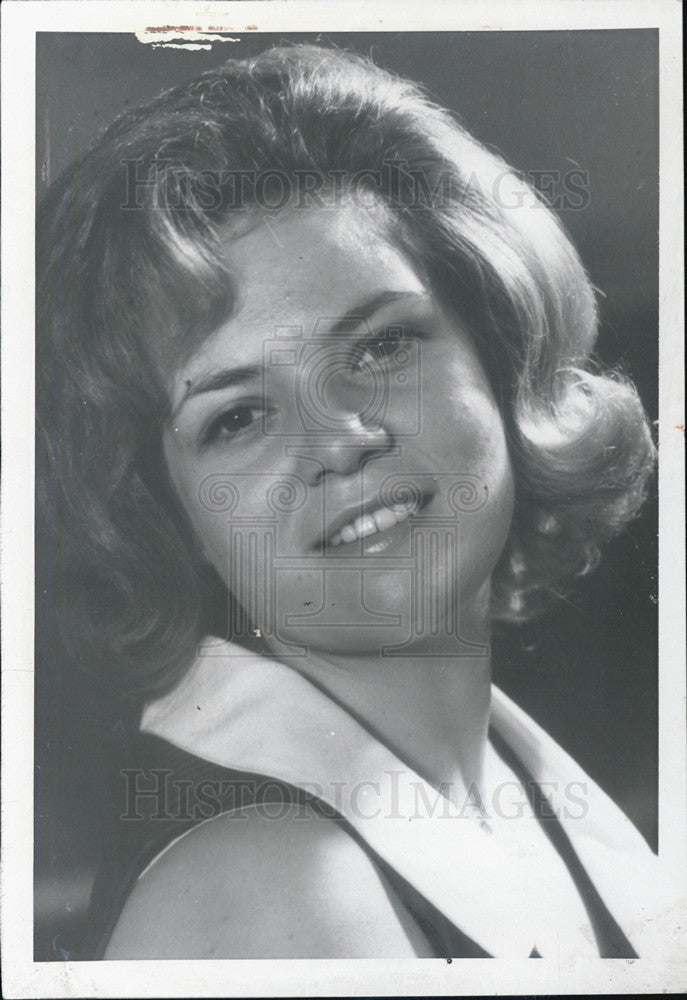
(374, 351)
(234, 421)
(380, 351)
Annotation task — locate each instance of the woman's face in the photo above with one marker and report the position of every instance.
(336, 444)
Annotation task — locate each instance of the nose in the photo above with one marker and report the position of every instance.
(345, 450)
(344, 412)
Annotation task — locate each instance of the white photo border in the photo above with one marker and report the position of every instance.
(23, 977)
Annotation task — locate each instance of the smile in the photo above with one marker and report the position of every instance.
(370, 524)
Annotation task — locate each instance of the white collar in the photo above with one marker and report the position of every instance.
(244, 711)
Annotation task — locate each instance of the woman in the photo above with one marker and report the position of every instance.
(325, 410)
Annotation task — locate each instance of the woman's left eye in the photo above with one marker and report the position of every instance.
(374, 351)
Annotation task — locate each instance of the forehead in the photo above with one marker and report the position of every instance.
(314, 256)
(298, 267)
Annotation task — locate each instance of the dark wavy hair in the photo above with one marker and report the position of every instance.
(127, 258)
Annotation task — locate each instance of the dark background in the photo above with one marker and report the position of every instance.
(547, 101)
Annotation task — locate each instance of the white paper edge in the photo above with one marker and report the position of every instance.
(21, 976)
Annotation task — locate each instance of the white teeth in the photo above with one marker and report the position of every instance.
(386, 518)
(365, 526)
(370, 524)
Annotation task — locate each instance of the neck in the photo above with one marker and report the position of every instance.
(431, 710)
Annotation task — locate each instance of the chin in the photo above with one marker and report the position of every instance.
(371, 611)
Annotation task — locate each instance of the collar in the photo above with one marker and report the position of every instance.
(501, 884)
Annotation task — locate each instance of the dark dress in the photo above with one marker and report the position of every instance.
(167, 791)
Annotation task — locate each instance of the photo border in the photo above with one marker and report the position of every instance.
(207, 978)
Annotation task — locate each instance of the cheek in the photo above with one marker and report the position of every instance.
(475, 440)
(208, 525)
(465, 434)
(500, 507)
(486, 535)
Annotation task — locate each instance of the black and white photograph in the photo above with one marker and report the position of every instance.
(346, 599)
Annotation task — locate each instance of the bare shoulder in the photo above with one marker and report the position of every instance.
(251, 885)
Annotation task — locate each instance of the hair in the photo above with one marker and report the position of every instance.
(127, 257)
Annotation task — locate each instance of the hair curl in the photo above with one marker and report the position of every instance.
(114, 277)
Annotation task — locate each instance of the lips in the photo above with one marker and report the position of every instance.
(369, 519)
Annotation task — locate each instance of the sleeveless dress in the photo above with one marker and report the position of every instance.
(560, 870)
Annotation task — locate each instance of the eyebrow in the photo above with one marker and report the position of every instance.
(364, 310)
(222, 378)
(227, 378)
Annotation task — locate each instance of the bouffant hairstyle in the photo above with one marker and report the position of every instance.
(127, 256)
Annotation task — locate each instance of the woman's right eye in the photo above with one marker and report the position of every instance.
(234, 422)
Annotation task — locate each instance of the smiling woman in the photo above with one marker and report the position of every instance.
(325, 411)
(315, 265)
